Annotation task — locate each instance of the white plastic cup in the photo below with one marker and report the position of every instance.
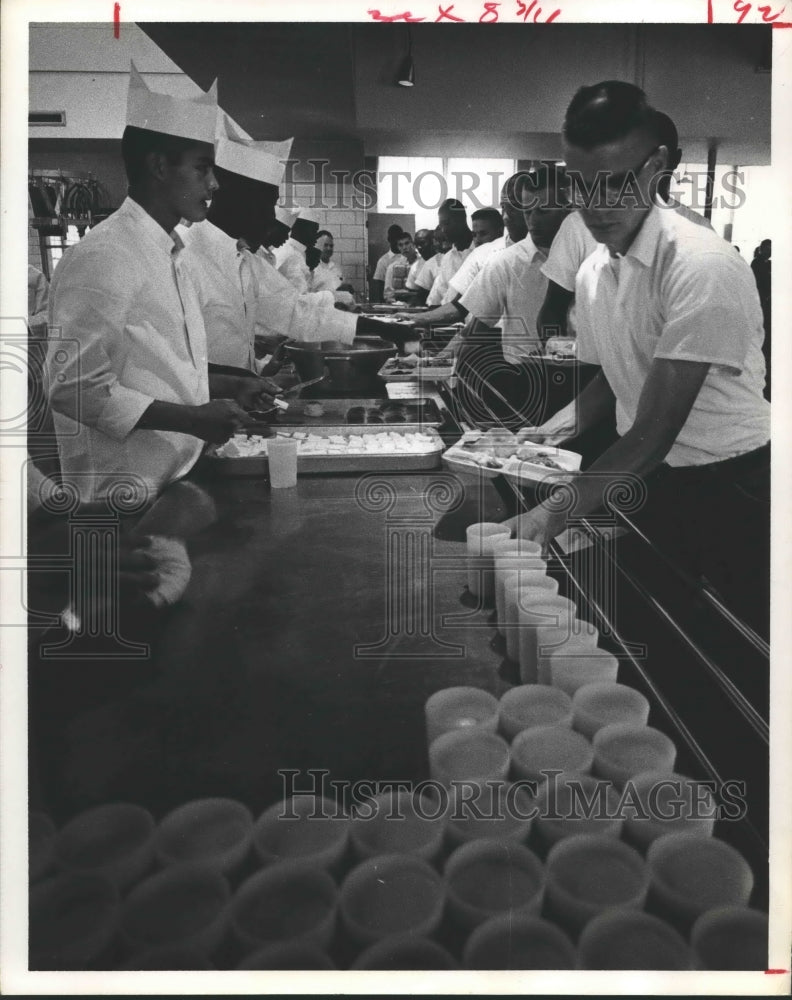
(289, 956)
(589, 874)
(597, 705)
(562, 809)
(527, 580)
(667, 802)
(537, 610)
(114, 840)
(622, 939)
(731, 938)
(73, 919)
(542, 749)
(391, 894)
(397, 823)
(469, 755)
(404, 952)
(488, 877)
(460, 708)
(581, 637)
(625, 749)
(216, 832)
(184, 906)
(302, 828)
(41, 845)
(530, 705)
(520, 942)
(572, 669)
(282, 460)
(691, 875)
(479, 557)
(287, 901)
(509, 557)
(495, 810)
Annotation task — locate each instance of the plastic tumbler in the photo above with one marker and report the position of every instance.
(573, 804)
(73, 919)
(666, 802)
(518, 941)
(731, 938)
(537, 610)
(625, 749)
(543, 749)
(469, 755)
(621, 939)
(216, 832)
(115, 840)
(282, 459)
(398, 823)
(302, 828)
(530, 705)
(518, 592)
(579, 637)
(404, 952)
(572, 668)
(598, 705)
(479, 557)
(460, 708)
(509, 556)
(496, 809)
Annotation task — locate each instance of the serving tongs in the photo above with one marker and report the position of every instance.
(264, 416)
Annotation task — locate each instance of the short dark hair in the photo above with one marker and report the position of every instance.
(137, 143)
(394, 231)
(550, 177)
(605, 112)
(491, 215)
(453, 205)
(324, 232)
(405, 236)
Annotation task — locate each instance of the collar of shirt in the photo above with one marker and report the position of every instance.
(644, 247)
(152, 230)
(530, 249)
(296, 246)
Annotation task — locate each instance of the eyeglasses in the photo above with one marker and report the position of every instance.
(610, 184)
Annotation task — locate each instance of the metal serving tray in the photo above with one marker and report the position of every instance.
(460, 458)
(418, 413)
(420, 373)
(360, 461)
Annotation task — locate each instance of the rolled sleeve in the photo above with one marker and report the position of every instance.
(570, 248)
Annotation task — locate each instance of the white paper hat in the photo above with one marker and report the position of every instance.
(188, 117)
(307, 215)
(260, 160)
(285, 216)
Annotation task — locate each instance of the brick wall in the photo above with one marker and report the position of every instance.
(348, 226)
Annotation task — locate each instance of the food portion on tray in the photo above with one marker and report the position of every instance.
(498, 452)
(415, 366)
(317, 443)
(561, 348)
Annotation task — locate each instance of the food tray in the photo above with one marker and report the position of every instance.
(561, 349)
(353, 460)
(424, 370)
(417, 412)
(467, 454)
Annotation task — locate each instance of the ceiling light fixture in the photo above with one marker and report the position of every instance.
(406, 74)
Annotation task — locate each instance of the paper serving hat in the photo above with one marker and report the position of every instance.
(307, 215)
(260, 160)
(285, 216)
(187, 117)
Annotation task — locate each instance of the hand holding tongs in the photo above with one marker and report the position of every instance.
(278, 401)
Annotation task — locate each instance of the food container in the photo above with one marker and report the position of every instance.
(398, 823)
(668, 803)
(625, 749)
(489, 454)
(305, 828)
(116, 840)
(288, 955)
(598, 705)
(73, 919)
(494, 810)
(408, 413)
(518, 941)
(417, 369)
(469, 755)
(407, 953)
(530, 705)
(730, 939)
(216, 832)
(460, 708)
(538, 752)
(350, 367)
(574, 804)
(625, 940)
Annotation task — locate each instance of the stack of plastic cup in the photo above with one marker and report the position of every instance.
(588, 874)
(480, 538)
(691, 875)
(399, 823)
(624, 749)
(597, 705)
(469, 755)
(580, 638)
(391, 894)
(305, 828)
(288, 901)
(516, 941)
(288, 955)
(520, 591)
(460, 708)
(404, 952)
(487, 877)
(530, 705)
(731, 938)
(543, 749)
(572, 668)
(510, 556)
(574, 804)
(666, 802)
(493, 810)
(536, 610)
(41, 845)
(115, 840)
(73, 920)
(622, 939)
(215, 832)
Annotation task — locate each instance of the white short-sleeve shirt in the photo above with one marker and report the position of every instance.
(425, 278)
(472, 267)
(680, 292)
(451, 262)
(382, 265)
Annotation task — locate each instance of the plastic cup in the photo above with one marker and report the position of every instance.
(167, 959)
(282, 460)
(303, 827)
(469, 755)
(115, 840)
(666, 802)
(73, 919)
(41, 845)
(730, 938)
(479, 552)
(288, 955)
(624, 749)
(530, 705)
(288, 901)
(517, 941)
(582, 637)
(597, 705)
(622, 939)
(573, 669)
(216, 832)
(391, 894)
(184, 906)
(537, 610)
(487, 877)
(513, 598)
(494, 810)
(575, 804)
(589, 874)
(395, 823)
(396, 953)
(534, 752)
(691, 875)
(460, 708)
(509, 556)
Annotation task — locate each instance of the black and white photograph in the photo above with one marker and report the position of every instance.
(386, 478)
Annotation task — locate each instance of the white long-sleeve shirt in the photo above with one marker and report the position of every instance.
(325, 277)
(130, 328)
(290, 261)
